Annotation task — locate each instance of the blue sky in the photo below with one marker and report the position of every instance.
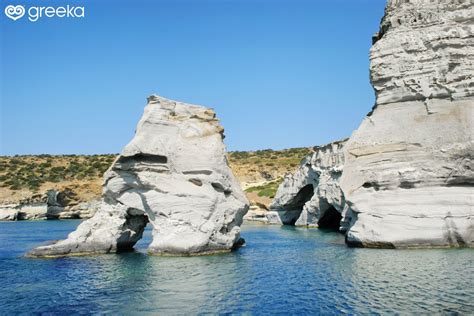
(278, 73)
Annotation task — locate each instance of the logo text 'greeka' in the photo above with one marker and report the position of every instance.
(36, 13)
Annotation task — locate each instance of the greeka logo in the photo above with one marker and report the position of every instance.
(35, 13)
(15, 12)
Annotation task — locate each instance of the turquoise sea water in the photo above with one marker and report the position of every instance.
(281, 270)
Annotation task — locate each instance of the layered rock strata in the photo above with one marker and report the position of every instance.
(409, 171)
(408, 178)
(50, 205)
(174, 175)
(312, 196)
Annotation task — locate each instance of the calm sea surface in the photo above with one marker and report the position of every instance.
(280, 271)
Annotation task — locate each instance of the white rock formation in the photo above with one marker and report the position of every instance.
(50, 205)
(32, 211)
(81, 210)
(312, 196)
(256, 214)
(8, 213)
(409, 171)
(408, 177)
(173, 174)
(34, 207)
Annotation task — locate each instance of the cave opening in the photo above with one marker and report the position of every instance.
(330, 220)
(135, 224)
(294, 209)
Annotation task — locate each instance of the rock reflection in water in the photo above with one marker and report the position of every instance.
(281, 270)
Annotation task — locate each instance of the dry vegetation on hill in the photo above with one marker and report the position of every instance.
(259, 172)
(259, 167)
(23, 176)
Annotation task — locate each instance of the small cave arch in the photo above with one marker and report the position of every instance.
(135, 223)
(295, 207)
(330, 219)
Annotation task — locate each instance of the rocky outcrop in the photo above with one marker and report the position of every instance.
(66, 205)
(32, 208)
(409, 171)
(258, 207)
(312, 196)
(82, 210)
(408, 178)
(256, 214)
(173, 174)
(50, 205)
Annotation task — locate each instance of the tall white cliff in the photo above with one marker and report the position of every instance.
(408, 170)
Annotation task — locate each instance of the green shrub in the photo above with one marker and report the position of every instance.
(268, 189)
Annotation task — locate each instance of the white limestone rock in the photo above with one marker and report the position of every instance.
(409, 171)
(173, 174)
(312, 196)
(34, 207)
(52, 204)
(408, 177)
(8, 212)
(256, 214)
(273, 217)
(82, 210)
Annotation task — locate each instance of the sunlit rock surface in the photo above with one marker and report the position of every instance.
(173, 174)
(52, 204)
(409, 171)
(312, 196)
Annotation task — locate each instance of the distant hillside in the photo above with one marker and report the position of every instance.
(259, 172)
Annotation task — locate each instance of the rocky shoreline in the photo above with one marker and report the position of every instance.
(49, 206)
(403, 179)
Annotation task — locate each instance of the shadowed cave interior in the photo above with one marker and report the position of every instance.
(330, 218)
(137, 220)
(136, 224)
(296, 206)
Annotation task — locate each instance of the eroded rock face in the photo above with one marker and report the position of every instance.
(34, 207)
(409, 171)
(408, 178)
(52, 204)
(312, 196)
(174, 175)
